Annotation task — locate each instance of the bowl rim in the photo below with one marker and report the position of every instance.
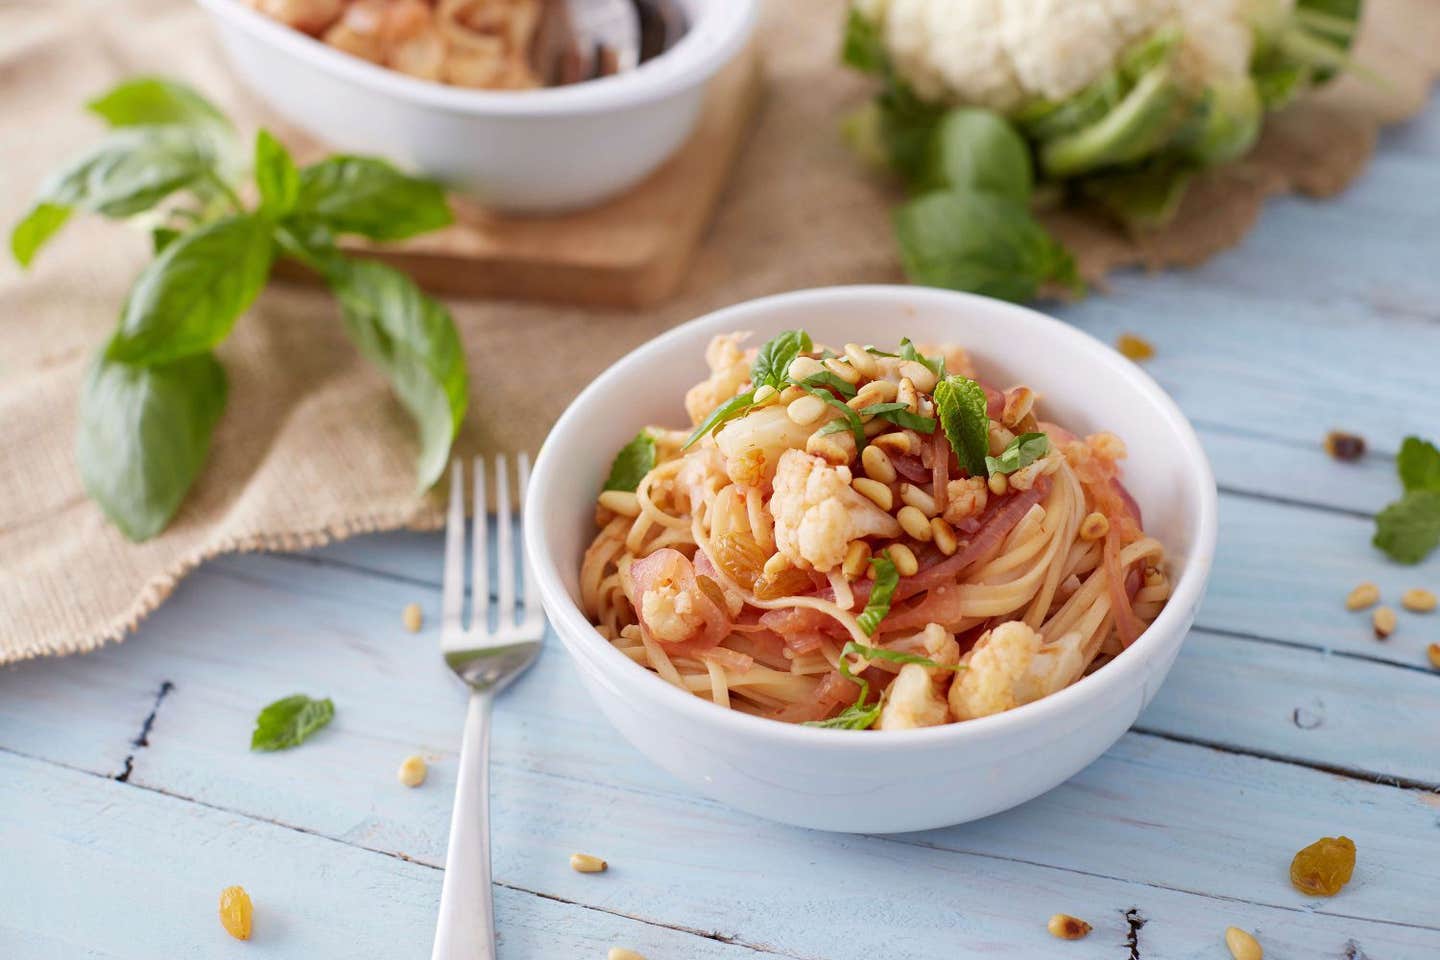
(722, 28)
(585, 642)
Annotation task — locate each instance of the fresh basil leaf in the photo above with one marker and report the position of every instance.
(42, 222)
(413, 340)
(834, 426)
(634, 460)
(896, 656)
(188, 298)
(827, 379)
(289, 722)
(863, 47)
(144, 435)
(128, 172)
(721, 415)
(900, 415)
(962, 407)
(146, 101)
(772, 364)
(935, 365)
(369, 197)
(887, 578)
(980, 242)
(977, 149)
(1419, 465)
(276, 175)
(1020, 452)
(1409, 529)
(857, 716)
(162, 237)
(851, 418)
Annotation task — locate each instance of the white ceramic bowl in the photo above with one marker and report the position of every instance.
(532, 151)
(879, 782)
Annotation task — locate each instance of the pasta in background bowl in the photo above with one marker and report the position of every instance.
(894, 779)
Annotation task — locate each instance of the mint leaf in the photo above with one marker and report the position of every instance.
(276, 175)
(144, 435)
(369, 197)
(1020, 452)
(413, 340)
(1409, 528)
(850, 417)
(188, 298)
(887, 578)
(900, 415)
(961, 404)
(289, 722)
(772, 363)
(721, 415)
(634, 460)
(1419, 465)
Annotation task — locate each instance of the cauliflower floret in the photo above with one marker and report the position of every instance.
(1219, 40)
(1059, 47)
(817, 513)
(753, 444)
(953, 51)
(1011, 666)
(670, 612)
(912, 701)
(729, 371)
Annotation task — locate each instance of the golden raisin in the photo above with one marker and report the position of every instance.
(1066, 927)
(1322, 868)
(740, 557)
(1136, 348)
(236, 912)
(786, 583)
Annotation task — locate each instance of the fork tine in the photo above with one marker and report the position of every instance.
(454, 580)
(531, 597)
(504, 555)
(479, 554)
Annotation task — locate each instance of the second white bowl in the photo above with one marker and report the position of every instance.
(525, 151)
(891, 781)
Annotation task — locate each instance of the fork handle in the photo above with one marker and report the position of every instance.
(466, 928)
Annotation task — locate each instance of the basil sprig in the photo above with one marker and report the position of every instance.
(155, 392)
(634, 460)
(962, 407)
(290, 721)
(770, 369)
(1019, 453)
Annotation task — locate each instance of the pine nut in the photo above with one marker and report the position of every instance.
(862, 360)
(843, 370)
(877, 464)
(1018, 404)
(920, 375)
(584, 863)
(1384, 622)
(1418, 600)
(904, 559)
(918, 498)
(999, 439)
(1066, 927)
(776, 565)
(802, 367)
(413, 617)
(765, 394)
(944, 535)
(412, 771)
(1242, 945)
(870, 394)
(915, 523)
(1363, 596)
(805, 410)
(894, 443)
(1094, 526)
(905, 393)
(874, 491)
(620, 953)
(623, 502)
(857, 558)
(999, 484)
(792, 393)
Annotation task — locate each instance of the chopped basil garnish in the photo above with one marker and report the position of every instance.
(723, 414)
(825, 378)
(1020, 452)
(859, 716)
(900, 415)
(936, 365)
(851, 418)
(887, 577)
(634, 460)
(962, 406)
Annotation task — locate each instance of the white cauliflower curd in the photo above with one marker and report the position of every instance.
(916, 698)
(817, 513)
(670, 612)
(1011, 666)
(729, 371)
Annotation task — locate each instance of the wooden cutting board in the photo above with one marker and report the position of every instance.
(630, 252)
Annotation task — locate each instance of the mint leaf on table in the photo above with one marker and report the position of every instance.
(1019, 453)
(371, 198)
(412, 338)
(1409, 528)
(963, 410)
(772, 364)
(188, 298)
(144, 434)
(289, 722)
(887, 578)
(634, 460)
(1418, 464)
(276, 175)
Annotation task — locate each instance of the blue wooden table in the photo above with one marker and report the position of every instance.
(128, 797)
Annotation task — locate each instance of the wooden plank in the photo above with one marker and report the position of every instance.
(114, 872)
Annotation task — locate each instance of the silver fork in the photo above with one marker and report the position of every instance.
(487, 659)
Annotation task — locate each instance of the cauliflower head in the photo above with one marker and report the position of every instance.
(817, 513)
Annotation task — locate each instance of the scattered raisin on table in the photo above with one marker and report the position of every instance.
(236, 912)
(1322, 868)
(1344, 446)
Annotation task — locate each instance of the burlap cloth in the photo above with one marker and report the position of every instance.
(312, 446)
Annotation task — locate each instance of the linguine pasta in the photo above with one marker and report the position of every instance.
(868, 539)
